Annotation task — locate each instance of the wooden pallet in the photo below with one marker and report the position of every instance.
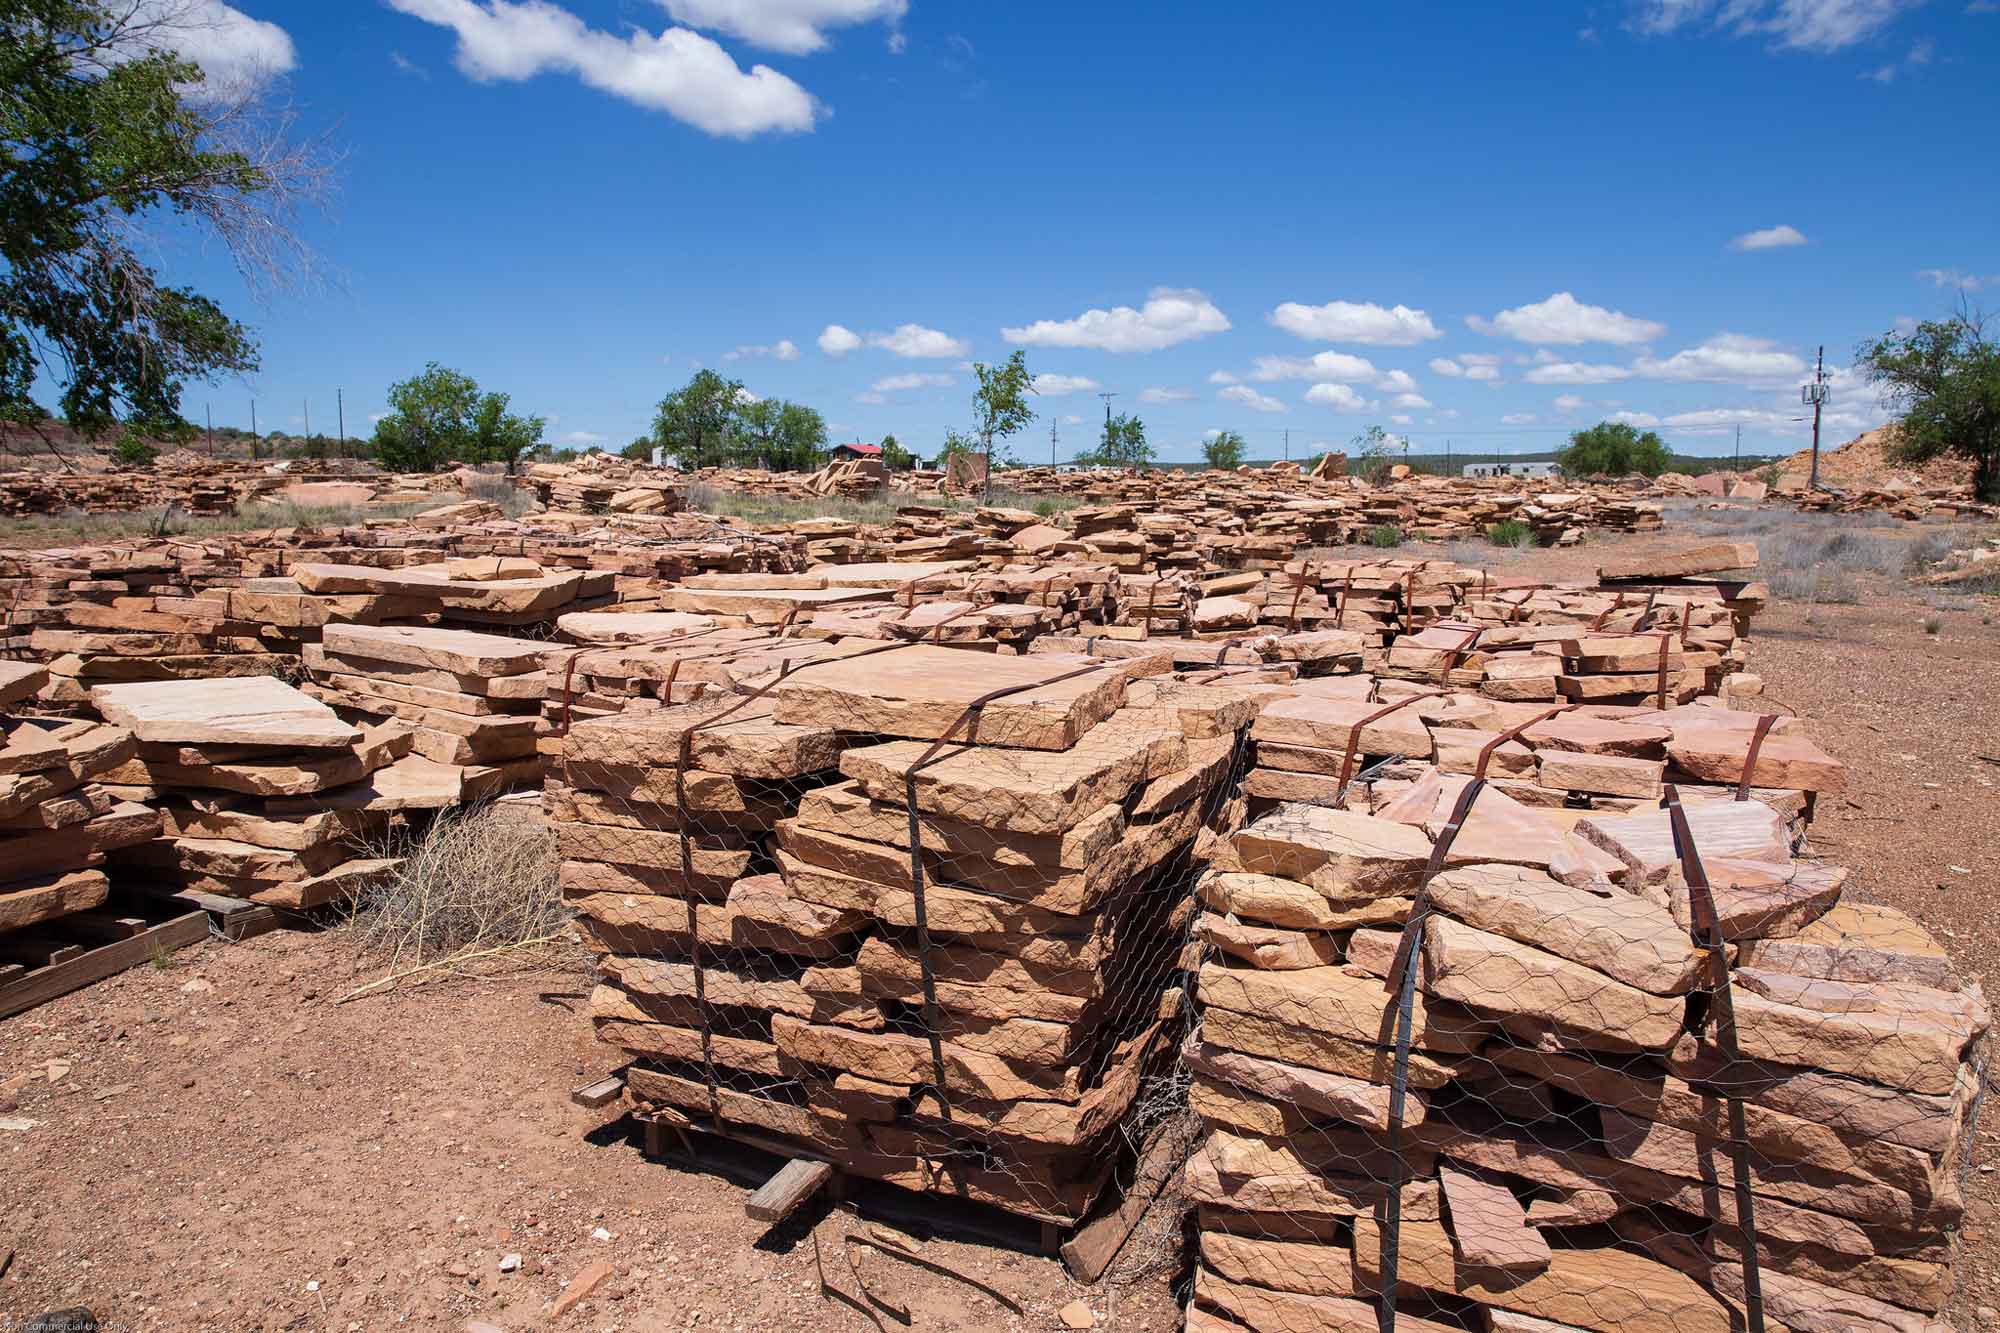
(233, 919)
(73, 959)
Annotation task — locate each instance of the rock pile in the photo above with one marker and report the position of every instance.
(266, 795)
(978, 1018)
(1613, 1015)
(56, 823)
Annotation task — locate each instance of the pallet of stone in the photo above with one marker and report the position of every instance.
(1313, 739)
(470, 699)
(57, 824)
(1054, 825)
(587, 681)
(479, 591)
(1562, 1147)
(219, 758)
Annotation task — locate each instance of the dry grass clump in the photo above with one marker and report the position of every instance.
(478, 882)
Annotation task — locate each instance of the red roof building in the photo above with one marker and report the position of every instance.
(842, 452)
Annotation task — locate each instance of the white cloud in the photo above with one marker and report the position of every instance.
(1564, 320)
(1411, 400)
(678, 71)
(1951, 277)
(1770, 238)
(1339, 397)
(1170, 316)
(1444, 365)
(1056, 385)
(898, 43)
(1222, 377)
(1727, 358)
(838, 340)
(1323, 367)
(405, 65)
(1568, 402)
(1072, 420)
(1396, 381)
(583, 438)
(784, 350)
(1349, 322)
(1468, 367)
(918, 380)
(1576, 372)
(1643, 420)
(237, 53)
(1718, 420)
(1158, 394)
(1921, 54)
(795, 27)
(745, 397)
(1518, 419)
(1401, 419)
(1806, 25)
(1250, 398)
(871, 397)
(914, 340)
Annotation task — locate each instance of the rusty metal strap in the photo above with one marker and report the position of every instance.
(1512, 733)
(1354, 736)
(969, 719)
(1706, 930)
(1764, 725)
(1402, 983)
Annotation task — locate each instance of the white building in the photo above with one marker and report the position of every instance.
(1524, 471)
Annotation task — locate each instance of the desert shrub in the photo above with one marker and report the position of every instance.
(1385, 535)
(1510, 532)
(476, 879)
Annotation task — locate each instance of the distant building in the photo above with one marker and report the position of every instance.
(841, 453)
(1524, 471)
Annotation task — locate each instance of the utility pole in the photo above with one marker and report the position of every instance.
(1738, 465)
(1815, 393)
(1447, 459)
(253, 430)
(1107, 397)
(306, 403)
(340, 406)
(1288, 444)
(210, 409)
(1052, 441)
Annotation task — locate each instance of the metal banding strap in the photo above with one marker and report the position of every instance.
(1354, 737)
(970, 719)
(1764, 725)
(1513, 733)
(1706, 930)
(1402, 983)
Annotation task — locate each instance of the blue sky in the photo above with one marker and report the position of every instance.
(1482, 223)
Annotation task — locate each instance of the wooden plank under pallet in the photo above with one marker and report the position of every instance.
(599, 1092)
(234, 919)
(796, 1181)
(46, 983)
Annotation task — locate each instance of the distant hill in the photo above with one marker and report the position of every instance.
(1455, 462)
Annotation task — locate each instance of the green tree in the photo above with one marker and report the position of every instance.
(1124, 444)
(440, 416)
(1944, 377)
(955, 442)
(1224, 451)
(1000, 405)
(895, 457)
(109, 143)
(1614, 448)
(639, 451)
(781, 436)
(694, 422)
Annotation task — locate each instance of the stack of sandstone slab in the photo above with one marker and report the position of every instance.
(56, 823)
(991, 1048)
(1565, 1150)
(266, 795)
(471, 701)
(1313, 735)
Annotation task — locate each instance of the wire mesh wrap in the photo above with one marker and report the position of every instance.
(1549, 1029)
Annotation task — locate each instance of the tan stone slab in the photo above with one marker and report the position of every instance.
(1279, 1266)
(1026, 791)
(1900, 1036)
(1314, 1092)
(1631, 939)
(1601, 774)
(728, 736)
(528, 686)
(1644, 841)
(502, 596)
(1488, 1226)
(924, 692)
(1604, 1290)
(1267, 947)
(248, 710)
(1359, 854)
(1531, 990)
(19, 681)
(27, 902)
(463, 652)
(1255, 1034)
(624, 627)
(1718, 754)
(1328, 723)
(1858, 942)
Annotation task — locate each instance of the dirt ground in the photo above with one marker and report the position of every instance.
(216, 1145)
